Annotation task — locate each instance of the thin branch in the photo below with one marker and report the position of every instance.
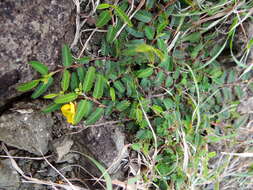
(78, 27)
(86, 43)
(130, 17)
(108, 123)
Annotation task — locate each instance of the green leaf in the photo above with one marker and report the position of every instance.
(193, 37)
(27, 86)
(139, 115)
(157, 109)
(66, 56)
(103, 6)
(38, 66)
(81, 73)
(144, 134)
(65, 98)
(149, 32)
(89, 79)
(83, 60)
(65, 80)
(99, 87)
(103, 18)
(121, 106)
(129, 85)
(168, 103)
(150, 4)
(74, 81)
(95, 116)
(107, 177)
(112, 94)
(83, 108)
(144, 73)
(144, 48)
(160, 77)
(119, 86)
(161, 26)
(134, 32)
(196, 50)
(52, 107)
(143, 16)
(239, 92)
(42, 88)
(136, 146)
(122, 15)
(50, 96)
(111, 33)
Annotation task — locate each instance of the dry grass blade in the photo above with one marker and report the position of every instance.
(38, 181)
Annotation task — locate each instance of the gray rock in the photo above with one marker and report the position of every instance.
(9, 178)
(31, 30)
(62, 147)
(105, 144)
(27, 129)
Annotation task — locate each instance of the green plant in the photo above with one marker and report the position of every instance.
(159, 72)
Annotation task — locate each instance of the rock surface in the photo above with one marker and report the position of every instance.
(26, 128)
(62, 147)
(9, 178)
(105, 144)
(31, 30)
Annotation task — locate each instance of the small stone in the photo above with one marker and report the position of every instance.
(105, 144)
(9, 178)
(62, 148)
(27, 131)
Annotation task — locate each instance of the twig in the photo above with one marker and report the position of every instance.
(171, 2)
(86, 43)
(34, 180)
(28, 158)
(108, 123)
(77, 3)
(130, 17)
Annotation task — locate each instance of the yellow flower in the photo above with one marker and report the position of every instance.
(69, 110)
